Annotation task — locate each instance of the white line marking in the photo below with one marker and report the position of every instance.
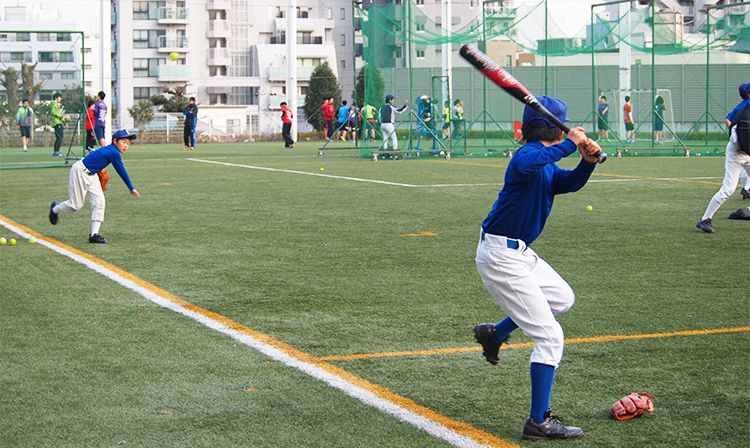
(431, 427)
(279, 170)
(400, 184)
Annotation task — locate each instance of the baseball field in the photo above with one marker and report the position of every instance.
(256, 296)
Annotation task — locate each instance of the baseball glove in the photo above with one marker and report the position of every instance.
(103, 178)
(632, 406)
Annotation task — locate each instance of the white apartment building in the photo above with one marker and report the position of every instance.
(43, 37)
(232, 55)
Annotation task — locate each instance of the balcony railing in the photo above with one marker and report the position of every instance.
(172, 43)
(218, 28)
(169, 14)
(174, 73)
(218, 4)
(219, 56)
(279, 73)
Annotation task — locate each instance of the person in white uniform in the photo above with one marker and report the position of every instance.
(737, 160)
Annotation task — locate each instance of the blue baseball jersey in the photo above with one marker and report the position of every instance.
(531, 182)
(97, 160)
(343, 113)
(738, 108)
(191, 115)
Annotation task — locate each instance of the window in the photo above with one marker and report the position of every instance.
(145, 93)
(419, 2)
(147, 38)
(397, 53)
(146, 68)
(343, 14)
(419, 27)
(147, 10)
(45, 76)
(43, 37)
(343, 64)
(343, 40)
(304, 37)
(303, 90)
(329, 13)
(55, 56)
(63, 37)
(68, 75)
(420, 54)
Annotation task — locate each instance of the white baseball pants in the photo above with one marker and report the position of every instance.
(529, 291)
(736, 161)
(389, 132)
(80, 185)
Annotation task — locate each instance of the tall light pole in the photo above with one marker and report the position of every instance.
(291, 62)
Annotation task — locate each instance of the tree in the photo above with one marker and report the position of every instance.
(175, 102)
(370, 86)
(142, 112)
(9, 80)
(30, 90)
(323, 84)
(72, 98)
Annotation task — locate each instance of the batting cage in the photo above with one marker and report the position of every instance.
(681, 77)
(42, 98)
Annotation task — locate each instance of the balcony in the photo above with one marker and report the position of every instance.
(218, 4)
(219, 56)
(172, 16)
(274, 101)
(218, 28)
(174, 73)
(169, 44)
(279, 73)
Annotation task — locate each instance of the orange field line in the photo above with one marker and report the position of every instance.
(384, 393)
(592, 339)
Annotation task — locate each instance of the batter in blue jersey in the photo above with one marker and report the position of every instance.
(528, 290)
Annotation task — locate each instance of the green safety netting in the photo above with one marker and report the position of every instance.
(401, 46)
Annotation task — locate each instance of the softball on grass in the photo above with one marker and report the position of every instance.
(3, 241)
(32, 240)
(174, 56)
(589, 208)
(322, 169)
(12, 242)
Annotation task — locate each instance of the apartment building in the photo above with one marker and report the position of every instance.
(45, 33)
(232, 55)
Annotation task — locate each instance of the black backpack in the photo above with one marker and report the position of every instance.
(742, 123)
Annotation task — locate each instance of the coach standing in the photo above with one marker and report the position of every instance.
(191, 122)
(57, 122)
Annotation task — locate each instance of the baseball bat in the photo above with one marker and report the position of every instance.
(512, 86)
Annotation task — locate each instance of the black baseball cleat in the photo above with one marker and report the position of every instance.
(550, 428)
(53, 217)
(740, 213)
(485, 336)
(98, 239)
(745, 193)
(706, 226)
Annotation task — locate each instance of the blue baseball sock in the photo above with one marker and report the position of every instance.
(503, 329)
(542, 376)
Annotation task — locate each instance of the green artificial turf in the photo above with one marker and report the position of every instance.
(319, 262)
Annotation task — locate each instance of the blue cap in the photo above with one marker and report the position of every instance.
(389, 97)
(558, 108)
(744, 89)
(123, 133)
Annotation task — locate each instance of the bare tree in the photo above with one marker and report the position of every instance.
(9, 80)
(30, 90)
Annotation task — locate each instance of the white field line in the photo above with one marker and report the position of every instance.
(399, 184)
(423, 423)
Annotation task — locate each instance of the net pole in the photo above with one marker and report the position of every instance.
(653, 69)
(546, 36)
(409, 47)
(484, 78)
(708, 68)
(354, 71)
(83, 93)
(593, 73)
